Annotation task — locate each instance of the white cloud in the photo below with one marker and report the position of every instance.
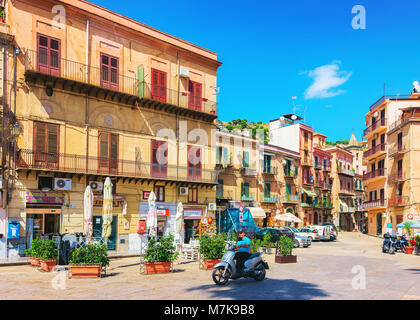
(327, 79)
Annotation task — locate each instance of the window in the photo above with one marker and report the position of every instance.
(160, 193)
(158, 85)
(49, 54)
(400, 136)
(288, 189)
(159, 161)
(193, 195)
(108, 152)
(46, 137)
(246, 159)
(194, 162)
(245, 189)
(109, 72)
(45, 183)
(267, 190)
(219, 189)
(267, 164)
(195, 95)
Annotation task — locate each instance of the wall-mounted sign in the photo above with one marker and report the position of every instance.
(146, 195)
(48, 197)
(193, 214)
(212, 206)
(410, 216)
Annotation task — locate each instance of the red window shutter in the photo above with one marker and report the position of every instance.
(158, 85)
(109, 72)
(195, 95)
(49, 55)
(191, 94)
(194, 162)
(103, 150)
(198, 97)
(43, 49)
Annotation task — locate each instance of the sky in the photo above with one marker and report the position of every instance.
(275, 50)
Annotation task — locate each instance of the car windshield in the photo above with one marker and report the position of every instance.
(294, 230)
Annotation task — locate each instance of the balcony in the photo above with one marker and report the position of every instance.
(306, 162)
(306, 205)
(308, 180)
(375, 151)
(288, 173)
(248, 171)
(326, 186)
(378, 173)
(116, 87)
(388, 97)
(269, 170)
(248, 197)
(224, 194)
(397, 177)
(131, 169)
(289, 198)
(374, 204)
(273, 197)
(348, 172)
(317, 166)
(324, 205)
(375, 127)
(326, 168)
(398, 149)
(346, 191)
(398, 201)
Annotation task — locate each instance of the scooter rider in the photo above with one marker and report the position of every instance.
(243, 247)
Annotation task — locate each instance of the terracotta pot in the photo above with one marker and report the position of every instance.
(210, 263)
(409, 250)
(158, 267)
(93, 271)
(288, 259)
(35, 262)
(48, 266)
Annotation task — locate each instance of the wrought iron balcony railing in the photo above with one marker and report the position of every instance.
(290, 198)
(397, 177)
(398, 201)
(272, 197)
(224, 194)
(248, 197)
(80, 164)
(349, 172)
(374, 204)
(269, 170)
(380, 123)
(397, 149)
(374, 174)
(375, 150)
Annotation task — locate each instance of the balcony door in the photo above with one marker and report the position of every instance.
(194, 163)
(108, 153)
(46, 145)
(158, 85)
(195, 95)
(49, 54)
(159, 161)
(109, 72)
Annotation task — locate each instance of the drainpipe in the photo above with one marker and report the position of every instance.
(177, 121)
(87, 96)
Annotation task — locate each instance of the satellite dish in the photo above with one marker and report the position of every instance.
(282, 118)
(294, 117)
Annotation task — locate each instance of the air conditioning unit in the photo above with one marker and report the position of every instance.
(96, 186)
(62, 184)
(183, 191)
(184, 72)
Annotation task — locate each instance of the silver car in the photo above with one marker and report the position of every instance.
(302, 241)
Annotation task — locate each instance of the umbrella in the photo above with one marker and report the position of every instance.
(412, 224)
(288, 217)
(88, 210)
(107, 209)
(151, 222)
(178, 222)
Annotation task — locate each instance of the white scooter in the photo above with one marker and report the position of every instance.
(254, 267)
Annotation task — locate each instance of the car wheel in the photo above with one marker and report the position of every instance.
(297, 244)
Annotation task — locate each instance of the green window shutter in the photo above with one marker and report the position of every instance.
(296, 171)
(140, 71)
(246, 159)
(267, 190)
(225, 155)
(288, 189)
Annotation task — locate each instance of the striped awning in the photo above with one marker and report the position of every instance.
(310, 193)
(257, 213)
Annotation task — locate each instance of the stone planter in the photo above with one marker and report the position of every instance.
(210, 263)
(288, 259)
(87, 271)
(158, 267)
(35, 262)
(48, 266)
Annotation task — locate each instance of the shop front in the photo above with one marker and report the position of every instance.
(192, 223)
(166, 213)
(43, 214)
(260, 216)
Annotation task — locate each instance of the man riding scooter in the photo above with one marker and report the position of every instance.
(243, 247)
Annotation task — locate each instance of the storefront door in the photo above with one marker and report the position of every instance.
(97, 231)
(379, 223)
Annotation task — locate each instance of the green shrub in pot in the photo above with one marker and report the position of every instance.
(161, 250)
(48, 250)
(212, 247)
(35, 250)
(91, 254)
(285, 246)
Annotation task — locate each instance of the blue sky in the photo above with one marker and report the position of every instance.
(273, 50)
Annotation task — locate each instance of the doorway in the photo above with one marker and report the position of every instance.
(316, 218)
(97, 231)
(379, 223)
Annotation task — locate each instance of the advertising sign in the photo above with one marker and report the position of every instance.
(48, 197)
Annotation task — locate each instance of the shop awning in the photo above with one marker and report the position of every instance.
(257, 213)
(310, 193)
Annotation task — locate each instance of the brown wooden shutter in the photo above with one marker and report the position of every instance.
(158, 85)
(114, 152)
(103, 150)
(52, 132)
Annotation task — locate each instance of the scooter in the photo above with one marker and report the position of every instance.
(254, 267)
(388, 246)
(400, 243)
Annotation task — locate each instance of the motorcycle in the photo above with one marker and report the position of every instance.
(400, 243)
(254, 267)
(388, 246)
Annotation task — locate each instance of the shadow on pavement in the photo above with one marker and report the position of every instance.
(269, 289)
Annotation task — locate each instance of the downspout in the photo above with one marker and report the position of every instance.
(177, 121)
(87, 96)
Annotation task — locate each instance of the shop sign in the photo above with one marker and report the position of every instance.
(410, 216)
(162, 212)
(191, 214)
(163, 209)
(44, 197)
(212, 206)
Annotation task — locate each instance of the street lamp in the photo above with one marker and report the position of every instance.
(16, 131)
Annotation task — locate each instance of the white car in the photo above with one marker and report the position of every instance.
(324, 232)
(309, 233)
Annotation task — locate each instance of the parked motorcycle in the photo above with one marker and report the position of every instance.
(254, 267)
(400, 243)
(388, 246)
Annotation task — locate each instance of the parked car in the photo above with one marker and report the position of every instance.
(302, 241)
(324, 232)
(297, 232)
(310, 233)
(275, 234)
(334, 232)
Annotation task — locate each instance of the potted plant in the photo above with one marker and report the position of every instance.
(212, 249)
(87, 261)
(160, 254)
(266, 244)
(410, 249)
(48, 254)
(255, 245)
(34, 253)
(417, 241)
(284, 249)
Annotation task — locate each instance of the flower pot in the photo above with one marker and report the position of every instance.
(48, 266)
(210, 263)
(93, 271)
(409, 250)
(35, 262)
(158, 267)
(288, 259)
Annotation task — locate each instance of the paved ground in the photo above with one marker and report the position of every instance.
(323, 271)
